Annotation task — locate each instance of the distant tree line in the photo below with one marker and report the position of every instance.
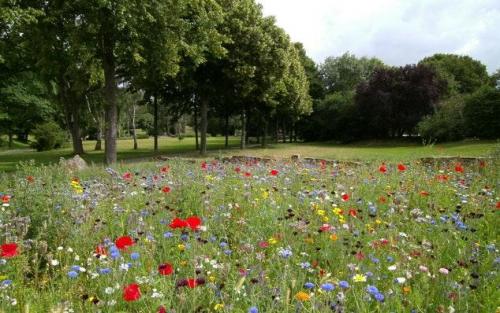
(102, 69)
(443, 97)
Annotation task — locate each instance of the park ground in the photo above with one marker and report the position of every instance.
(173, 147)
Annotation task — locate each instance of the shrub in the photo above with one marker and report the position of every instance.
(48, 136)
(446, 124)
(481, 113)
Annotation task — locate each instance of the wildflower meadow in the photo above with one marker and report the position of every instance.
(251, 236)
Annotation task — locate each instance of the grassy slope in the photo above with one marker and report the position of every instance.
(185, 147)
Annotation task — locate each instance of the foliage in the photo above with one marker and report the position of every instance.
(447, 124)
(481, 113)
(48, 136)
(344, 73)
(394, 100)
(463, 73)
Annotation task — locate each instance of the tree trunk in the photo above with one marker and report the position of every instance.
(226, 130)
(243, 130)
(204, 123)
(264, 134)
(134, 134)
(155, 123)
(11, 139)
(276, 131)
(98, 143)
(111, 108)
(76, 134)
(196, 128)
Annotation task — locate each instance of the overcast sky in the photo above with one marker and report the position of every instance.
(397, 31)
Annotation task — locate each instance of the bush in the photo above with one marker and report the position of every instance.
(48, 136)
(446, 124)
(481, 113)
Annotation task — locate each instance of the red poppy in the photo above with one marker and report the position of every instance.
(178, 223)
(165, 169)
(360, 256)
(325, 227)
(401, 167)
(274, 172)
(124, 242)
(459, 168)
(263, 244)
(191, 282)
(442, 178)
(382, 199)
(165, 269)
(353, 213)
(162, 309)
(248, 174)
(203, 165)
(5, 198)
(482, 164)
(131, 292)
(382, 168)
(8, 250)
(345, 197)
(101, 250)
(424, 193)
(127, 176)
(237, 169)
(30, 179)
(166, 189)
(194, 222)
(498, 205)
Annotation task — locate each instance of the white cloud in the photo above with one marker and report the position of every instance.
(397, 31)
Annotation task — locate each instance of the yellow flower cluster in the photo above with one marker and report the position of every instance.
(75, 184)
(338, 213)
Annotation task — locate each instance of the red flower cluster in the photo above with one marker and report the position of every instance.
(5, 199)
(165, 169)
(127, 176)
(382, 168)
(8, 250)
(131, 292)
(459, 168)
(166, 189)
(193, 222)
(345, 197)
(401, 167)
(274, 172)
(165, 269)
(124, 242)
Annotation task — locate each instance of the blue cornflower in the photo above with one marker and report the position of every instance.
(75, 268)
(223, 244)
(184, 237)
(6, 282)
(134, 255)
(343, 284)
(372, 290)
(253, 310)
(308, 285)
(390, 259)
(168, 234)
(328, 287)
(228, 252)
(379, 297)
(305, 265)
(105, 271)
(72, 274)
(285, 253)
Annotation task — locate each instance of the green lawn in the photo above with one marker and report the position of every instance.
(185, 148)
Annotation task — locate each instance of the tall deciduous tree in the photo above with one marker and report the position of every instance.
(463, 73)
(344, 73)
(394, 100)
